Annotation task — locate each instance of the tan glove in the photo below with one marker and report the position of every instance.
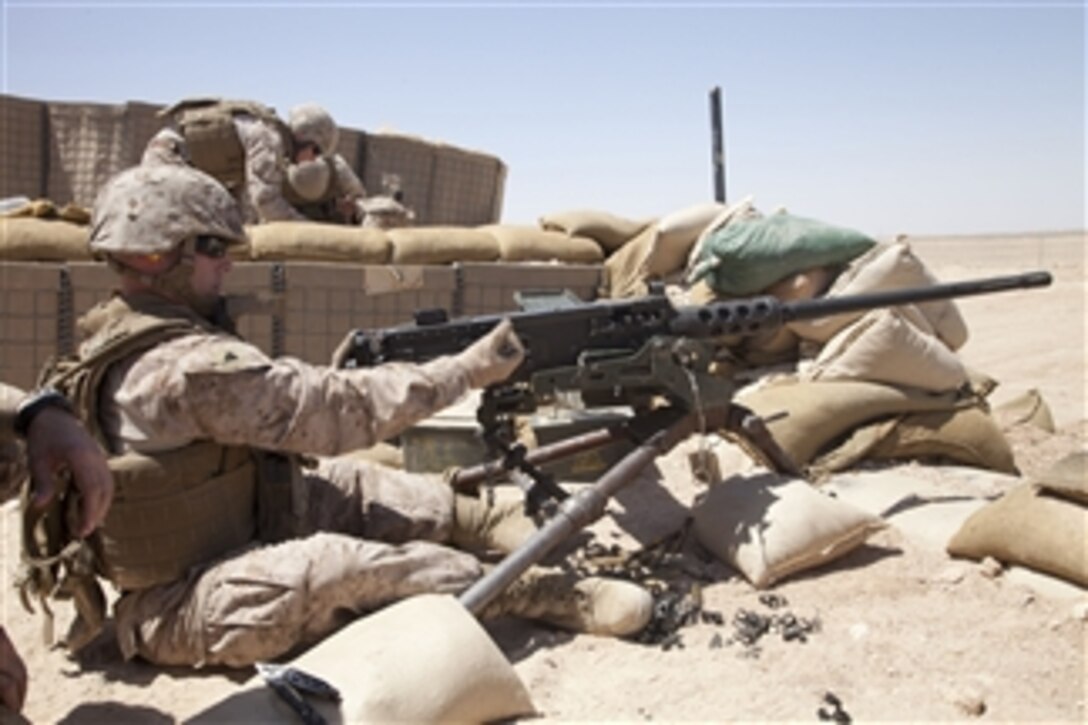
(492, 358)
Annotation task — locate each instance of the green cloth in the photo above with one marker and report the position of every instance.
(748, 256)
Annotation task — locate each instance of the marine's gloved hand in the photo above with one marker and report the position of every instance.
(493, 357)
(56, 442)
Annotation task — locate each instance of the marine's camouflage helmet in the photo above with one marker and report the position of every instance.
(310, 123)
(152, 209)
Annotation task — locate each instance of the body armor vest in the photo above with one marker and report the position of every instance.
(212, 140)
(171, 511)
(174, 509)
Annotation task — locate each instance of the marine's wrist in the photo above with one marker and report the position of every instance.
(34, 404)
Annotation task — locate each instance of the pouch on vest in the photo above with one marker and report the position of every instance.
(214, 146)
(281, 496)
(212, 140)
(176, 510)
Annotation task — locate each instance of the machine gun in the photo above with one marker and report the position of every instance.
(644, 353)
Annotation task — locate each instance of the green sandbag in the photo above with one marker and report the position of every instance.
(748, 256)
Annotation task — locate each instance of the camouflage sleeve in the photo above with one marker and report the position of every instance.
(264, 170)
(347, 179)
(218, 387)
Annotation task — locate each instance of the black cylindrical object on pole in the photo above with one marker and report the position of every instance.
(717, 156)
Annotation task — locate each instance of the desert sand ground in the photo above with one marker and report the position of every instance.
(905, 632)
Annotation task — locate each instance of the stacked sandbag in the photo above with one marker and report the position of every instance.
(829, 426)
(1041, 524)
(659, 251)
(39, 231)
(1027, 409)
(529, 244)
(893, 345)
(608, 230)
(317, 242)
(769, 526)
(782, 345)
(886, 267)
(442, 245)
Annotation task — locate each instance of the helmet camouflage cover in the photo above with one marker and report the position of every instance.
(310, 123)
(152, 209)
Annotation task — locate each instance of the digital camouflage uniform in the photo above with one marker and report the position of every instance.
(196, 383)
(214, 564)
(266, 147)
(260, 603)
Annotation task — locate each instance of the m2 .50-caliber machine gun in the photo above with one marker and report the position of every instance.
(645, 353)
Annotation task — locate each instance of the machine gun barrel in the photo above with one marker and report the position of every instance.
(751, 316)
(827, 306)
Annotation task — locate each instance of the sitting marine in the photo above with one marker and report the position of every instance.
(238, 532)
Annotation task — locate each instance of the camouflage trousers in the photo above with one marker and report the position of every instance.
(375, 539)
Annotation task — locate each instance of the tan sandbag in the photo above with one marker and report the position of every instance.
(677, 234)
(1028, 409)
(317, 242)
(422, 660)
(607, 230)
(802, 286)
(1029, 527)
(529, 244)
(769, 526)
(659, 251)
(699, 293)
(892, 345)
(820, 412)
(629, 267)
(968, 436)
(1068, 477)
(781, 345)
(442, 245)
(46, 209)
(769, 348)
(887, 267)
(33, 239)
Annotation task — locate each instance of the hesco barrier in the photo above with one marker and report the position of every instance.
(65, 151)
(301, 309)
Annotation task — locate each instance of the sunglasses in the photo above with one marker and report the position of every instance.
(208, 246)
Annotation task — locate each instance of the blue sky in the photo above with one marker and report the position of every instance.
(889, 117)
